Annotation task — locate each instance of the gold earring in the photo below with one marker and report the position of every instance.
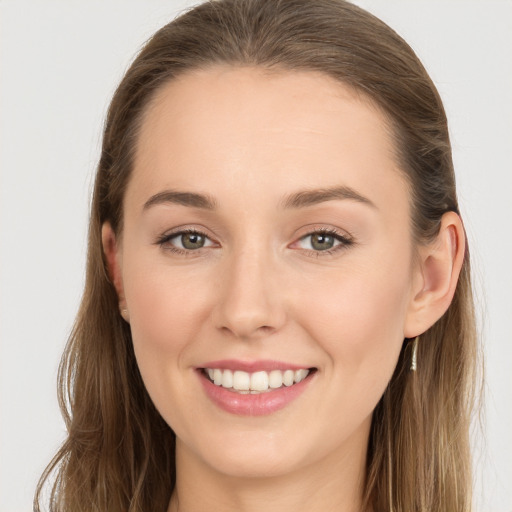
(414, 361)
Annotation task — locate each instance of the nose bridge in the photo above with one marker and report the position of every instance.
(250, 303)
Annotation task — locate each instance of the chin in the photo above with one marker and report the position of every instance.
(255, 454)
(250, 466)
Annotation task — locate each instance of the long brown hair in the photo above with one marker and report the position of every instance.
(119, 453)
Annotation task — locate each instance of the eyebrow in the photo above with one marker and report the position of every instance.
(316, 196)
(183, 198)
(300, 199)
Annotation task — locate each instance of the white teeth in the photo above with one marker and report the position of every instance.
(217, 377)
(275, 379)
(227, 379)
(300, 375)
(241, 381)
(288, 377)
(257, 382)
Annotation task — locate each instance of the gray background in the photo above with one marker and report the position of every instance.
(59, 64)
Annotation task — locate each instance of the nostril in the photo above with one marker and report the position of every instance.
(245, 332)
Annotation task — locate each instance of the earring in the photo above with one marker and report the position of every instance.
(414, 354)
(124, 313)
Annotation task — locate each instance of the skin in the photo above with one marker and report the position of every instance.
(259, 290)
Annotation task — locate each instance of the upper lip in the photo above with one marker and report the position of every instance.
(253, 366)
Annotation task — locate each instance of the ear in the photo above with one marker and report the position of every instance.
(436, 276)
(111, 250)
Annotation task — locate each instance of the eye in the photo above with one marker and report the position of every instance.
(189, 241)
(184, 241)
(320, 241)
(327, 241)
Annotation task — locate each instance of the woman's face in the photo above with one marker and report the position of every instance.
(266, 231)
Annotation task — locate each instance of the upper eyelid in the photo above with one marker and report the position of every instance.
(337, 232)
(334, 234)
(184, 230)
(344, 239)
(329, 231)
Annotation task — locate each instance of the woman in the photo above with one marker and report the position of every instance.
(278, 307)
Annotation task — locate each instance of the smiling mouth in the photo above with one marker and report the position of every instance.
(242, 382)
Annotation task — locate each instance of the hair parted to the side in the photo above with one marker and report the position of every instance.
(119, 453)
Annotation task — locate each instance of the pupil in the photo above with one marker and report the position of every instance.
(192, 241)
(322, 242)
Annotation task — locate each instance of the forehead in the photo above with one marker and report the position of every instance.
(228, 128)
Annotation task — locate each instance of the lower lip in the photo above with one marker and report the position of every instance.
(253, 404)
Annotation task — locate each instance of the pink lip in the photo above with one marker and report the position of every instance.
(260, 404)
(266, 365)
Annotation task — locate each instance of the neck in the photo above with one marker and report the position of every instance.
(332, 483)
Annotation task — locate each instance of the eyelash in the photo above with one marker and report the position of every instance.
(345, 242)
(164, 240)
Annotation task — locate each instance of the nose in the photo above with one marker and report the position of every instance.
(250, 301)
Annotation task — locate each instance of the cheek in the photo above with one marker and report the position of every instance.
(166, 314)
(165, 306)
(358, 317)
